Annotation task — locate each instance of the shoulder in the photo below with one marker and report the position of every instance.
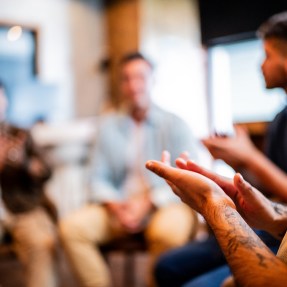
(160, 113)
(280, 116)
(278, 124)
(110, 118)
(165, 117)
(112, 124)
(17, 131)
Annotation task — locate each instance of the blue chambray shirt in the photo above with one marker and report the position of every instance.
(162, 131)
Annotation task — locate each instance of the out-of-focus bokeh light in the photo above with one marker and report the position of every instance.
(14, 33)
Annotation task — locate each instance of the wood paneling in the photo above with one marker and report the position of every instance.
(123, 30)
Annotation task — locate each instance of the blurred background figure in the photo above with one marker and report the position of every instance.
(127, 200)
(67, 147)
(31, 216)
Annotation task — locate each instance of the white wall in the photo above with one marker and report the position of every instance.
(70, 46)
(51, 18)
(171, 36)
(88, 26)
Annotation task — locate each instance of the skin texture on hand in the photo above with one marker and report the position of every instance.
(235, 151)
(239, 152)
(193, 188)
(258, 211)
(11, 151)
(132, 213)
(207, 193)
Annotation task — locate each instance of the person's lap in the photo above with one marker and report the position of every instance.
(213, 278)
(216, 277)
(183, 264)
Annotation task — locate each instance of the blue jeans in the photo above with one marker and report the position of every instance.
(186, 263)
(213, 278)
(198, 262)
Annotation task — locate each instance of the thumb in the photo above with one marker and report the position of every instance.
(245, 188)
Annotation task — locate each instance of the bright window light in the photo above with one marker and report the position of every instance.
(238, 91)
(14, 33)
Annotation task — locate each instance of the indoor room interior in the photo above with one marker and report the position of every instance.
(60, 62)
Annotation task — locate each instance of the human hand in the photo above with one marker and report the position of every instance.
(165, 158)
(118, 213)
(258, 211)
(137, 210)
(132, 213)
(235, 151)
(196, 190)
(11, 151)
(36, 167)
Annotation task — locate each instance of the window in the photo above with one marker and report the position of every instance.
(29, 99)
(237, 88)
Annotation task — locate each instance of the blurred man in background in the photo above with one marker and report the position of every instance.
(127, 199)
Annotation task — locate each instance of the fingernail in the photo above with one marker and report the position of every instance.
(240, 178)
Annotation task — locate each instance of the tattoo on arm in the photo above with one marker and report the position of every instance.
(240, 235)
(280, 208)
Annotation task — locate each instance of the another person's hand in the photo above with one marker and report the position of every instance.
(235, 151)
(137, 211)
(131, 214)
(11, 150)
(198, 191)
(258, 211)
(36, 167)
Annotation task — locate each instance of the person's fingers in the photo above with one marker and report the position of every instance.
(193, 166)
(225, 183)
(214, 146)
(184, 155)
(245, 188)
(165, 157)
(206, 142)
(181, 163)
(246, 193)
(240, 130)
(162, 170)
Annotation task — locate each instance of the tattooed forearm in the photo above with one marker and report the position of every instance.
(248, 240)
(281, 211)
(239, 236)
(279, 208)
(251, 262)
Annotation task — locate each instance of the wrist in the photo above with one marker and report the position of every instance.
(213, 208)
(278, 226)
(251, 157)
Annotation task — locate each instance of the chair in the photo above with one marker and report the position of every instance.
(129, 249)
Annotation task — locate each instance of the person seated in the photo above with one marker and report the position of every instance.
(126, 199)
(30, 216)
(204, 260)
(230, 207)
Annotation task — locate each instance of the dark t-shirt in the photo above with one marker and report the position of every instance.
(276, 140)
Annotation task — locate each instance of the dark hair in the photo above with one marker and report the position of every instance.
(274, 27)
(133, 57)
